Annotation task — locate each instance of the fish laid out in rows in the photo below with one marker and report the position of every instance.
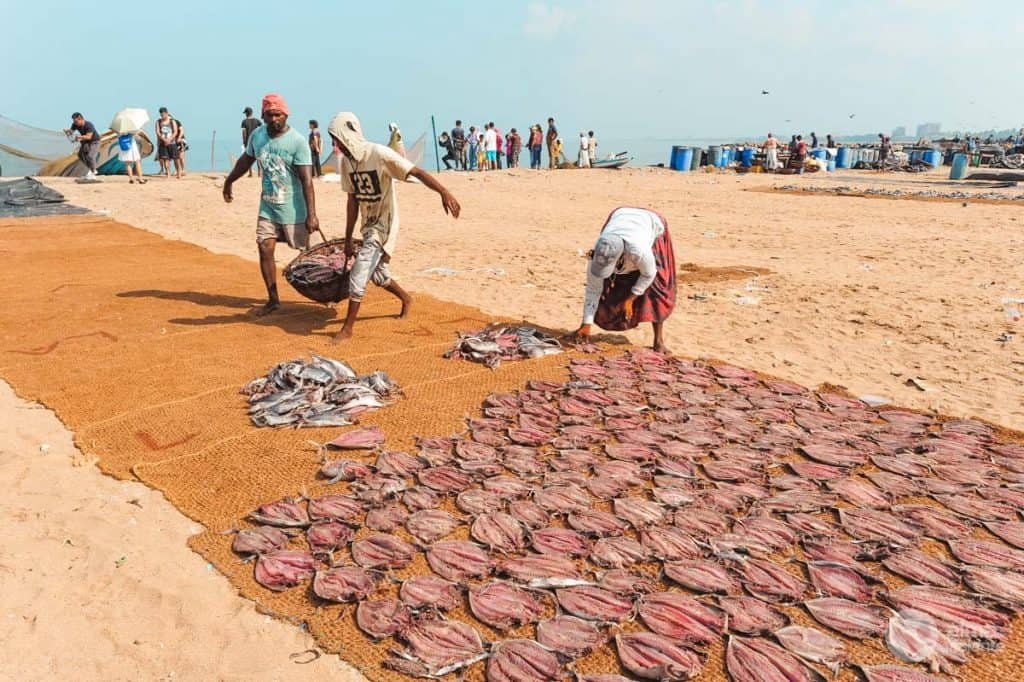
(320, 392)
(658, 508)
(495, 344)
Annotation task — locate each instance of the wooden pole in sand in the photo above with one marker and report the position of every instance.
(437, 154)
(213, 143)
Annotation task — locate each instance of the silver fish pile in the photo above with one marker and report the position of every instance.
(318, 393)
(495, 344)
(662, 508)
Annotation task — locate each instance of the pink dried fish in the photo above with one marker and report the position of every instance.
(769, 531)
(894, 673)
(344, 584)
(489, 437)
(701, 523)
(638, 512)
(541, 570)
(499, 531)
(285, 513)
(529, 436)
(559, 541)
(625, 583)
(1003, 586)
(377, 489)
(507, 487)
(388, 518)
(570, 636)
(956, 615)
(559, 478)
(521, 460)
(382, 551)
(596, 523)
(419, 498)
(653, 657)
(849, 618)
(594, 603)
(975, 508)
(834, 454)
(328, 536)
(503, 606)
(1010, 532)
(618, 552)
(398, 464)
(426, 591)
(606, 487)
(629, 453)
(922, 568)
(859, 493)
(834, 579)
(444, 646)
(797, 501)
(871, 524)
(668, 543)
(431, 524)
(336, 508)
(758, 660)
(444, 479)
(815, 471)
(458, 560)
(382, 618)
(344, 470)
(283, 569)
(703, 576)
(358, 439)
(471, 451)
(894, 484)
(518, 660)
(477, 469)
(629, 473)
(750, 616)
(562, 498)
(937, 523)
(529, 513)
(808, 525)
(680, 618)
(915, 637)
(259, 540)
(477, 501)
(985, 553)
(904, 465)
(813, 645)
(769, 581)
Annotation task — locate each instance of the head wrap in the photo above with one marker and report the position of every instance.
(392, 127)
(274, 102)
(345, 127)
(607, 252)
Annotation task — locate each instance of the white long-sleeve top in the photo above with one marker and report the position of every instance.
(638, 228)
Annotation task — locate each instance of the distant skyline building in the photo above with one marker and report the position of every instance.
(899, 133)
(928, 129)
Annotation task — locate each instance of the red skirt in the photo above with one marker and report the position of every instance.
(654, 305)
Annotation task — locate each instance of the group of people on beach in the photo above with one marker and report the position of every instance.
(631, 269)
(486, 149)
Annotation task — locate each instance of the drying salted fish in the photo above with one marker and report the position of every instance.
(937, 523)
(382, 551)
(703, 576)
(285, 513)
(915, 637)
(283, 569)
(562, 498)
(344, 584)
(358, 439)
(343, 470)
(955, 614)
(594, 603)
(1003, 586)
(750, 616)
(618, 552)
(528, 513)
(500, 531)
(895, 673)
(623, 582)
(419, 498)
(388, 518)
(813, 645)
(259, 540)
(458, 560)
(921, 568)
(871, 524)
(444, 479)
(858, 621)
(755, 659)
(426, 591)
(516, 660)
(833, 579)
(336, 508)
(431, 524)
(639, 512)
(569, 635)
(318, 393)
(559, 541)
(495, 344)
(539, 570)
(596, 523)
(443, 646)
(770, 582)
(653, 657)
(503, 605)
(382, 618)
(399, 464)
(680, 618)
(477, 501)
(1011, 532)
(668, 543)
(985, 553)
(327, 536)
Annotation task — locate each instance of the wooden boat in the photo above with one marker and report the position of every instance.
(614, 161)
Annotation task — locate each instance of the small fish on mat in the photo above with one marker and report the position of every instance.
(496, 343)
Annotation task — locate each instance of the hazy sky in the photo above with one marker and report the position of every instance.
(661, 68)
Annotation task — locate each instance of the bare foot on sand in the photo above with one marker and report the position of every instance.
(342, 335)
(406, 304)
(266, 308)
(661, 348)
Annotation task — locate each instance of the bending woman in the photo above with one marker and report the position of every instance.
(632, 275)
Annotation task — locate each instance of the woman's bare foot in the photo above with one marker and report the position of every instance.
(661, 348)
(266, 308)
(342, 335)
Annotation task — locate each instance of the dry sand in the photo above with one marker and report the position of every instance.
(858, 292)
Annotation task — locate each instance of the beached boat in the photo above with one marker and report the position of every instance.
(612, 161)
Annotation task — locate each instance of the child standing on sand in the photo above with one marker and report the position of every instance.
(481, 153)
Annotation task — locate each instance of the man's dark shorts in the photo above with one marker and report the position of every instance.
(167, 152)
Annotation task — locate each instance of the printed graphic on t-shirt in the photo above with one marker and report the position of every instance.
(275, 176)
(366, 184)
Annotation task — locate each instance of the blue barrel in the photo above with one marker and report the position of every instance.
(933, 158)
(819, 153)
(959, 169)
(831, 167)
(843, 157)
(684, 159)
(714, 155)
(748, 157)
(673, 159)
(695, 164)
(728, 154)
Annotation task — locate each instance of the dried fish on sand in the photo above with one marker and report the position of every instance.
(497, 343)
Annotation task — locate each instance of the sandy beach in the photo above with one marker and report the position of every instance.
(896, 299)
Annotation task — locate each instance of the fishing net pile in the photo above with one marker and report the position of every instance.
(498, 343)
(321, 392)
(660, 508)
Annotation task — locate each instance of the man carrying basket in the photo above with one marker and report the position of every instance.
(368, 172)
(287, 204)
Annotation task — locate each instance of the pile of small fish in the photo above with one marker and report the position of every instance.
(496, 343)
(664, 507)
(319, 268)
(321, 392)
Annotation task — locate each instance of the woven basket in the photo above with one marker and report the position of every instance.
(324, 292)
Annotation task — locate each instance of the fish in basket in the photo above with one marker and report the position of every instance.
(321, 273)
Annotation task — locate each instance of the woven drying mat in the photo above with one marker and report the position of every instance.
(140, 344)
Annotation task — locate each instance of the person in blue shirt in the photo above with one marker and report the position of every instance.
(287, 204)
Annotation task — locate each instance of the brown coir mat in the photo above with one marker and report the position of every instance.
(140, 345)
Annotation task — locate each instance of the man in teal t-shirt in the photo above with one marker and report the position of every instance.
(286, 213)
